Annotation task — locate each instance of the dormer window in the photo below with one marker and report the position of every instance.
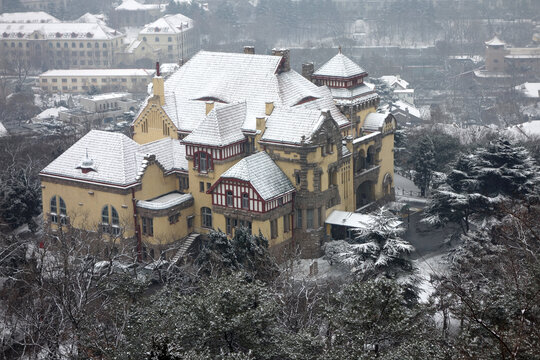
(229, 198)
(245, 201)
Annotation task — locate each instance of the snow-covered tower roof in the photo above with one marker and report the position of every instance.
(340, 66)
(495, 42)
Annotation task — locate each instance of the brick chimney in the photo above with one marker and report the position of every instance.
(285, 62)
(249, 50)
(307, 70)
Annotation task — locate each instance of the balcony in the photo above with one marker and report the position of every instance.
(371, 173)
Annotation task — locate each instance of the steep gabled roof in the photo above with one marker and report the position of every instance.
(170, 153)
(221, 127)
(339, 66)
(262, 173)
(168, 24)
(375, 121)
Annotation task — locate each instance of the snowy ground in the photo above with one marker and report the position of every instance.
(433, 265)
(301, 270)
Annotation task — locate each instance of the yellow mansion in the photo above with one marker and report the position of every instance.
(231, 140)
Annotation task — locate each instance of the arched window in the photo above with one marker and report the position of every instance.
(206, 215)
(245, 201)
(110, 222)
(57, 203)
(203, 162)
(229, 198)
(115, 222)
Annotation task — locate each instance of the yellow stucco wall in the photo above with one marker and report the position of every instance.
(386, 158)
(153, 124)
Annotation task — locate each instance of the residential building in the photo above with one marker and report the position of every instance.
(28, 17)
(102, 108)
(400, 87)
(46, 5)
(101, 80)
(231, 140)
(134, 13)
(60, 45)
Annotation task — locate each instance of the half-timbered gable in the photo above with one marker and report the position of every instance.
(255, 184)
(218, 137)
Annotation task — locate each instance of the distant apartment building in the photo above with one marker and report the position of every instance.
(28, 17)
(60, 45)
(106, 108)
(133, 13)
(46, 5)
(83, 81)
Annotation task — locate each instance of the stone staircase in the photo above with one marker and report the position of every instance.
(183, 248)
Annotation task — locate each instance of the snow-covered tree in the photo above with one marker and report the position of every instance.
(482, 180)
(423, 158)
(243, 252)
(378, 250)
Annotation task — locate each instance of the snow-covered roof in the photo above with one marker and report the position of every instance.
(164, 202)
(495, 42)
(228, 78)
(221, 127)
(168, 24)
(117, 160)
(113, 155)
(28, 17)
(91, 31)
(402, 105)
(170, 153)
(524, 130)
(355, 220)
(374, 121)
(357, 95)
(528, 89)
(290, 125)
(3, 131)
(108, 96)
(99, 72)
(91, 18)
(50, 113)
(263, 174)
(395, 80)
(132, 5)
(339, 66)
(367, 137)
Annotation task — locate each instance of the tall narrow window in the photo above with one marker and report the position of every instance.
(203, 162)
(245, 201)
(54, 211)
(299, 218)
(286, 223)
(206, 214)
(273, 229)
(147, 226)
(229, 198)
(115, 229)
(309, 218)
(63, 211)
(105, 218)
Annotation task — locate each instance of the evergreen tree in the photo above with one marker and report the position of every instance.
(482, 180)
(424, 164)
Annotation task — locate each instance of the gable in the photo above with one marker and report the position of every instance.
(152, 124)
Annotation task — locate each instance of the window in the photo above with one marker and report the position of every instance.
(190, 221)
(115, 221)
(169, 47)
(319, 217)
(206, 214)
(273, 229)
(73, 80)
(169, 39)
(208, 186)
(297, 177)
(64, 80)
(309, 218)
(54, 211)
(54, 80)
(201, 186)
(230, 224)
(229, 198)
(298, 218)
(144, 38)
(105, 218)
(157, 39)
(203, 162)
(173, 219)
(286, 223)
(147, 226)
(245, 201)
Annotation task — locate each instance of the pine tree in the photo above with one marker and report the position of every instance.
(424, 164)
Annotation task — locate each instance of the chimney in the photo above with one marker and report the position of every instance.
(209, 106)
(285, 64)
(269, 108)
(249, 50)
(158, 85)
(326, 113)
(307, 70)
(261, 124)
